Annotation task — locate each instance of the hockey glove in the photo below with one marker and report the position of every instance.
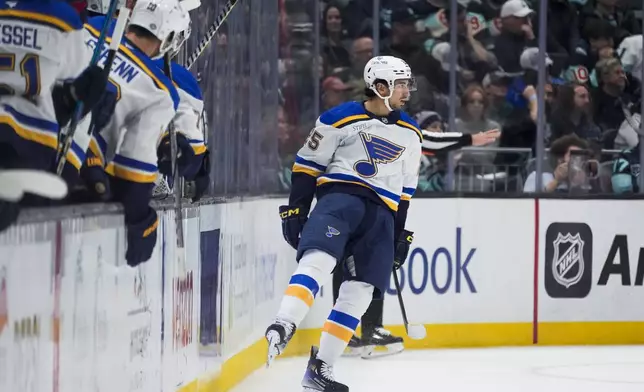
(293, 220)
(202, 179)
(185, 155)
(141, 239)
(88, 88)
(96, 179)
(103, 111)
(401, 248)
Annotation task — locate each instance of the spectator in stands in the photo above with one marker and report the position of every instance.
(496, 86)
(405, 43)
(630, 54)
(624, 21)
(433, 164)
(334, 40)
(361, 53)
(516, 34)
(563, 29)
(626, 171)
(561, 178)
(609, 98)
(597, 45)
(474, 60)
(334, 92)
(472, 120)
(572, 113)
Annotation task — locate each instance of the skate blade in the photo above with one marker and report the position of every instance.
(307, 389)
(350, 352)
(371, 352)
(273, 339)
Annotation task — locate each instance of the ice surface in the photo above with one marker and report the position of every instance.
(526, 369)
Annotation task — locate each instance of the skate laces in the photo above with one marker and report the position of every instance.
(383, 331)
(326, 371)
(288, 327)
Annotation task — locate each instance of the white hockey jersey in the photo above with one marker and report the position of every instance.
(41, 42)
(147, 102)
(188, 117)
(349, 145)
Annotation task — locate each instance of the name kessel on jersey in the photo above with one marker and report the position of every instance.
(19, 35)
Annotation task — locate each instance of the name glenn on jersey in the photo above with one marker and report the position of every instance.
(120, 66)
(26, 37)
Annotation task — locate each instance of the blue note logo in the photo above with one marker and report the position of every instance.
(331, 231)
(379, 151)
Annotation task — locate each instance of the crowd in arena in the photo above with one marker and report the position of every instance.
(592, 94)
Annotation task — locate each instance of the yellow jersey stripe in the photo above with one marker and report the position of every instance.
(390, 203)
(130, 175)
(348, 119)
(37, 17)
(409, 126)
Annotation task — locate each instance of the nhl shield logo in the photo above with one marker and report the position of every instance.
(568, 265)
(568, 259)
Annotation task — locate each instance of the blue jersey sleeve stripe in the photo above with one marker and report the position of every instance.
(409, 191)
(133, 163)
(306, 162)
(32, 121)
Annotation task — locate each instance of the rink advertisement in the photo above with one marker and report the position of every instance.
(481, 272)
(592, 271)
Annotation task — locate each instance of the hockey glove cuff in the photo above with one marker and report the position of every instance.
(184, 159)
(88, 88)
(202, 179)
(141, 239)
(293, 220)
(401, 248)
(96, 179)
(103, 111)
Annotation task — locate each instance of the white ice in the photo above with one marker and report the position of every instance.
(538, 369)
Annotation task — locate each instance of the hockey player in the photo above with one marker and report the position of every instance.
(361, 160)
(147, 102)
(193, 159)
(374, 335)
(43, 74)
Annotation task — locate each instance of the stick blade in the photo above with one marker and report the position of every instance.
(416, 332)
(16, 182)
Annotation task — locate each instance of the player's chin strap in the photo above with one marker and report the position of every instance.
(386, 99)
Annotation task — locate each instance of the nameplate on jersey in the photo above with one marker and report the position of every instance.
(380, 151)
(120, 66)
(17, 35)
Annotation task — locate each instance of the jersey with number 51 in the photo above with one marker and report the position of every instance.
(352, 151)
(41, 43)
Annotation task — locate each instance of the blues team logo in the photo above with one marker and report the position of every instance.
(380, 151)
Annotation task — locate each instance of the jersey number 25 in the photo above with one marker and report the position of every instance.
(29, 70)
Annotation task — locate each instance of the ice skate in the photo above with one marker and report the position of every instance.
(319, 376)
(381, 342)
(355, 347)
(278, 335)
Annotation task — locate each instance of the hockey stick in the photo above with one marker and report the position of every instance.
(176, 178)
(210, 34)
(414, 331)
(117, 36)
